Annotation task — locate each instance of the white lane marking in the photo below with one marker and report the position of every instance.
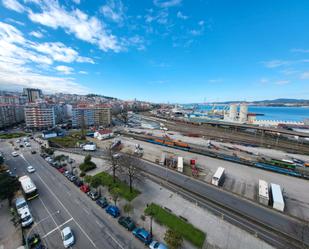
(49, 213)
(99, 224)
(116, 241)
(85, 209)
(91, 241)
(50, 232)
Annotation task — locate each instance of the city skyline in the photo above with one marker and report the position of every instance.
(158, 51)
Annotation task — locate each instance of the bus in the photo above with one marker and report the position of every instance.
(218, 177)
(29, 189)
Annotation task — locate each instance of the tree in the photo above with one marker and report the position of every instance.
(1, 159)
(173, 239)
(87, 159)
(8, 187)
(128, 208)
(110, 153)
(95, 182)
(130, 168)
(115, 193)
(88, 179)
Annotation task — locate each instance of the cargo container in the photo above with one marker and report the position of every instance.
(162, 159)
(276, 197)
(180, 164)
(218, 177)
(263, 192)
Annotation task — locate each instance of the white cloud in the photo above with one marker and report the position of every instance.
(13, 5)
(84, 27)
(14, 21)
(282, 82)
(166, 4)
(59, 52)
(113, 10)
(181, 16)
(201, 23)
(304, 76)
(264, 80)
(19, 60)
(36, 34)
(160, 17)
(82, 72)
(275, 63)
(299, 50)
(76, 1)
(64, 69)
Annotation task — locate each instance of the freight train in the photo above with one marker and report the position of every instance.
(272, 165)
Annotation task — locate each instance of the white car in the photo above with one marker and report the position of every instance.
(30, 169)
(14, 154)
(157, 245)
(67, 237)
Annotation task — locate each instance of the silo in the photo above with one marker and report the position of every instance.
(233, 112)
(243, 113)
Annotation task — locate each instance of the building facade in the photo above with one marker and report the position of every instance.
(11, 110)
(40, 116)
(10, 115)
(91, 116)
(32, 94)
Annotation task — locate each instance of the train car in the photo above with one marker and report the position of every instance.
(282, 164)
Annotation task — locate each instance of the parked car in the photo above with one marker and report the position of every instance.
(33, 152)
(61, 170)
(72, 178)
(157, 245)
(21, 146)
(30, 169)
(93, 194)
(67, 237)
(78, 182)
(143, 235)
(102, 202)
(127, 223)
(85, 188)
(14, 154)
(16, 148)
(113, 211)
(66, 173)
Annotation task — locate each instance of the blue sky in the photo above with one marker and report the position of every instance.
(157, 50)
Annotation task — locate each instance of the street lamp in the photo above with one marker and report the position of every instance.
(36, 224)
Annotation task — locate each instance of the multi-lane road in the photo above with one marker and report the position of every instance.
(61, 203)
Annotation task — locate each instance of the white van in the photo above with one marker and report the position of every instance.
(24, 212)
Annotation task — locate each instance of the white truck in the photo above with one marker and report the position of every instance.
(23, 211)
(218, 177)
(277, 198)
(89, 147)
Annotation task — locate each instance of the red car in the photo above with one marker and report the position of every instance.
(61, 170)
(85, 188)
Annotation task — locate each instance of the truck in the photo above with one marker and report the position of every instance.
(90, 147)
(218, 177)
(23, 211)
(276, 197)
(180, 164)
(162, 159)
(263, 192)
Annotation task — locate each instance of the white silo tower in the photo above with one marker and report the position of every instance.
(243, 113)
(233, 112)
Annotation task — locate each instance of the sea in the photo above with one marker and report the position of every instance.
(270, 112)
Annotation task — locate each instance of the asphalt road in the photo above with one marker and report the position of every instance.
(266, 217)
(61, 203)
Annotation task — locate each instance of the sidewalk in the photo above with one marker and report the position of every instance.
(10, 236)
(218, 232)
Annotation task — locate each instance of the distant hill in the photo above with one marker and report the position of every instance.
(274, 102)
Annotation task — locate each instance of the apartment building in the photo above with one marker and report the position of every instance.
(40, 116)
(32, 94)
(11, 111)
(91, 116)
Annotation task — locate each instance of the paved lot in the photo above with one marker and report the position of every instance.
(240, 179)
(10, 236)
(92, 227)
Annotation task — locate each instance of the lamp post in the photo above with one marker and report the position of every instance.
(36, 224)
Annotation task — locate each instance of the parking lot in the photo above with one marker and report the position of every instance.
(61, 203)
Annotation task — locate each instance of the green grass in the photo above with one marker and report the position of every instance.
(12, 135)
(87, 166)
(187, 230)
(107, 180)
(67, 141)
